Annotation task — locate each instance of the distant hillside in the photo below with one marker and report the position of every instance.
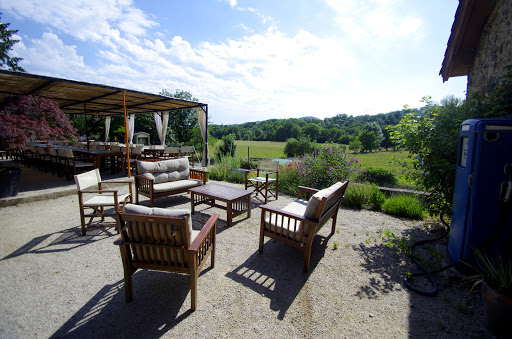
(309, 118)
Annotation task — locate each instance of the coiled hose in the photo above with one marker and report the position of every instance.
(424, 271)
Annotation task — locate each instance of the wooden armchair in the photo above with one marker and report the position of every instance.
(163, 240)
(299, 222)
(90, 186)
(268, 182)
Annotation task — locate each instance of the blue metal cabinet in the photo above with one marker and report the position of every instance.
(481, 219)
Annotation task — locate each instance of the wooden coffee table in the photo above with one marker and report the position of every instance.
(237, 200)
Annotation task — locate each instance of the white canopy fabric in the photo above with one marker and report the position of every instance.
(107, 127)
(161, 125)
(203, 125)
(131, 125)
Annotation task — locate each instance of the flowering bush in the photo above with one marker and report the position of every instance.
(28, 117)
(319, 169)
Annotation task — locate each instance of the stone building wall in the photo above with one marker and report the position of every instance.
(494, 50)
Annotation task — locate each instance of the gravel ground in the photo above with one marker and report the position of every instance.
(56, 283)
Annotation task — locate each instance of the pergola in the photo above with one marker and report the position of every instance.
(78, 97)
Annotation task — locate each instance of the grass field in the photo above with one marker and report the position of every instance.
(270, 149)
(273, 150)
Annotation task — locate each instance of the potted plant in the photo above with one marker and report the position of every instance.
(495, 276)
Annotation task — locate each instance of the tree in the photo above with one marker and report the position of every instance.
(6, 44)
(299, 147)
(227, 146)
(28, 117)
(182, 122)
(386, 141)
(355, 145)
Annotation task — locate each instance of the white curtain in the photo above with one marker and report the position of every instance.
(161, 125)
(107, 127)
(131, 125)
(202, 119)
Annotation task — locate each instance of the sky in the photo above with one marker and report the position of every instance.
(249, 60)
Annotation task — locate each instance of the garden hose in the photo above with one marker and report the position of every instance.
(424, 271)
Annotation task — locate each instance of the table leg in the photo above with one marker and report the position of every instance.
(192, 202)
(249, 206)
(230, 213)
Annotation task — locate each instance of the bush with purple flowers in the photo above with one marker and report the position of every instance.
(319, 169)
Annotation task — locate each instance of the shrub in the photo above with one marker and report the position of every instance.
(355, 145)
(223, 167)
(236, 177)
(319, 170)
(403, 205)
(227, 146)
(381, 176)
(378, 198)
(363, 195)
(299, 147)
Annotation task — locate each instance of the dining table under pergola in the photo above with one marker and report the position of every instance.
(78, 97)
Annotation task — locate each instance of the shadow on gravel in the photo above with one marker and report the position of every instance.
(277, 273)
(62, 241)
(154, 310)
(451, 312)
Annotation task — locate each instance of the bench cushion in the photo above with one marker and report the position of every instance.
(165, 170)
(176, 185)
(288, 225)
(314, 201)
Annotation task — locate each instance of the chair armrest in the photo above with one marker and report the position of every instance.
(116, 182)
(272, 210)
(204, 231)
(119, 241)
(98, 191)
(198, 174)
(303, 191)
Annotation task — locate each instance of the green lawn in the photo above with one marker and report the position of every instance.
(380, 159)
(270, 149)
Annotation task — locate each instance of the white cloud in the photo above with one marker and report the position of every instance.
(84, 19)
(51, 55)
(375, 22)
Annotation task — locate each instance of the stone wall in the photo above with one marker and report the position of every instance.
(494, 50)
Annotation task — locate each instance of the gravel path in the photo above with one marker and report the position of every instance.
(56, 283)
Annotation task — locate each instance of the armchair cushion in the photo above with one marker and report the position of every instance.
(162, 212)
(314, 202)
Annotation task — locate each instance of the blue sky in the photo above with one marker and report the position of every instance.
(248, 60)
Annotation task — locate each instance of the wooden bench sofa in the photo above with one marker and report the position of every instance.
(157, 179)
(299, 222)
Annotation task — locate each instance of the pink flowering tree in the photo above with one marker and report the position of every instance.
(26, 117)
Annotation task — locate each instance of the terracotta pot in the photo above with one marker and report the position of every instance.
(498, 312)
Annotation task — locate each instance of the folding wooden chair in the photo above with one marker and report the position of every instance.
(268, 182)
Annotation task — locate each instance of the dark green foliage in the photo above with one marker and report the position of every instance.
(432, 139)
(236, 177)
(380, 176)
(6, 44)
(355, 145)
(363, 195)
(297, 148)
(370, 136)
(227, 146)
(407, 206)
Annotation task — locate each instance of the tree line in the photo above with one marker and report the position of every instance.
(364, 132)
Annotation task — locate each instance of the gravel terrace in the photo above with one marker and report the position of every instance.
(56, 283)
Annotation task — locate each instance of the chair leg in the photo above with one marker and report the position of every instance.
(193, 290)
(82, 220)
(307, 258)
(128, 294)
